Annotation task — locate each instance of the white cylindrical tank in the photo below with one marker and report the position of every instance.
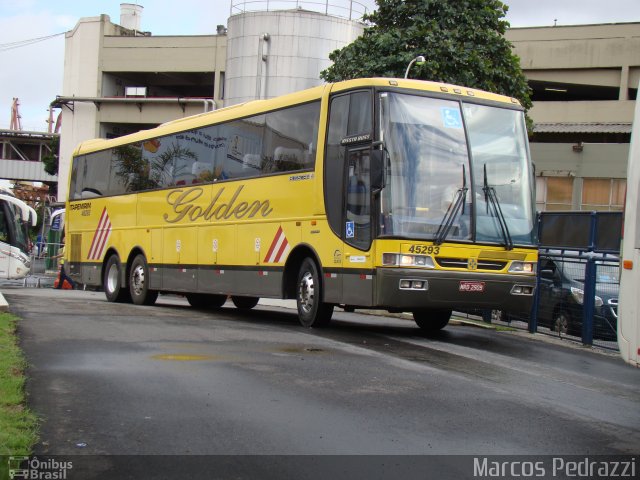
(131, 16)
(270, 53)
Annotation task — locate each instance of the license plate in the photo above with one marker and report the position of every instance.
(466, 286)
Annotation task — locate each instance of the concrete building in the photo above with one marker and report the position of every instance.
(119, 79)
(584, 80)
(21, 155)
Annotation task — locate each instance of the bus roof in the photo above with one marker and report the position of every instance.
(255, 107)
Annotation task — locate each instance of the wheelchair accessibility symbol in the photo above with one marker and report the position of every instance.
(351, 230)
(451, 117)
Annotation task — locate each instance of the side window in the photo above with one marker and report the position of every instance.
(117, 183)
(4, 233)
(96, 176)
(77, 177)
(131, 168)
(360, 113)
(243, 139)
(201, 143)
(349, 114)
(334, 160)
(290, 138)
(358, 224)
(166, 162)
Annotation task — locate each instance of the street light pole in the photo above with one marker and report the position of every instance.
(419, 60)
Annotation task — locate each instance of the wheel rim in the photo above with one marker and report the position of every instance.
(112, 278)
(137, 280)
(306, 292)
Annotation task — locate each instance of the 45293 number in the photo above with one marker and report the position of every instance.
(424, 249)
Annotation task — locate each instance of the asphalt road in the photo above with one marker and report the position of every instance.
(117, 379)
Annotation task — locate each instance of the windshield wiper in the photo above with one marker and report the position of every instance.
(452, 212)
(491, 198)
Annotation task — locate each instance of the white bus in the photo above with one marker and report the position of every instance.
(15, 218)
(629, 300)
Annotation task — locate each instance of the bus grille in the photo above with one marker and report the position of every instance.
(449, 262)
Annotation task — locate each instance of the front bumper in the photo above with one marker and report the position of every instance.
(449, 290)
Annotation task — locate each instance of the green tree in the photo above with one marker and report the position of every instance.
(462, 41)
(50, 159)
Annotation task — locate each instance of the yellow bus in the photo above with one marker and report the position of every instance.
(381, 193)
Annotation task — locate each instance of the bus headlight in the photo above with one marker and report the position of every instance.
(522, 267)
(403, 260)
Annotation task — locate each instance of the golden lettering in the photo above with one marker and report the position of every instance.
(182, 202)
(183, 205)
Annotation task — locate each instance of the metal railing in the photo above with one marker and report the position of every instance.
(350, 9)
(43, 262)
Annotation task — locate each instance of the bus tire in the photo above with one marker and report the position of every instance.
(245, 303)
(432, 320)
(312, 311)
(139, 282)
(112, 281)
(205, 300)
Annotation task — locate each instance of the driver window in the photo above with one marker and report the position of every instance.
(4, 234)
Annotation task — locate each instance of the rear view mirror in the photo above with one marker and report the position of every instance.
(547, 273)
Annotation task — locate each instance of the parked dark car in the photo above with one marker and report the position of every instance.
(561, 304)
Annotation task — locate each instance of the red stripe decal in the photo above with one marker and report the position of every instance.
(95, 235)
(273, 244)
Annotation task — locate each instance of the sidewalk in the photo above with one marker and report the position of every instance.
(40, 280)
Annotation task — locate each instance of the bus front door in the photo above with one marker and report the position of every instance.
(357, 260)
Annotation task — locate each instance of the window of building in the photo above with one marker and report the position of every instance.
(135, 91)
(603, 194)
(554, 193)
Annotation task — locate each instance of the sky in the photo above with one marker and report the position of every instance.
(33, 73)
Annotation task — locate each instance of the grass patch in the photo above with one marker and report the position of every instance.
(18, 426)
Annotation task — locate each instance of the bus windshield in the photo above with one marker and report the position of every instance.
(20, 238)
(437, 189)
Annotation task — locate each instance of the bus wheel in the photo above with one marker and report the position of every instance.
(312, 312)
(204, 300)
(113, 288)
(245, 303)
(139, 283)
(431, 321)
